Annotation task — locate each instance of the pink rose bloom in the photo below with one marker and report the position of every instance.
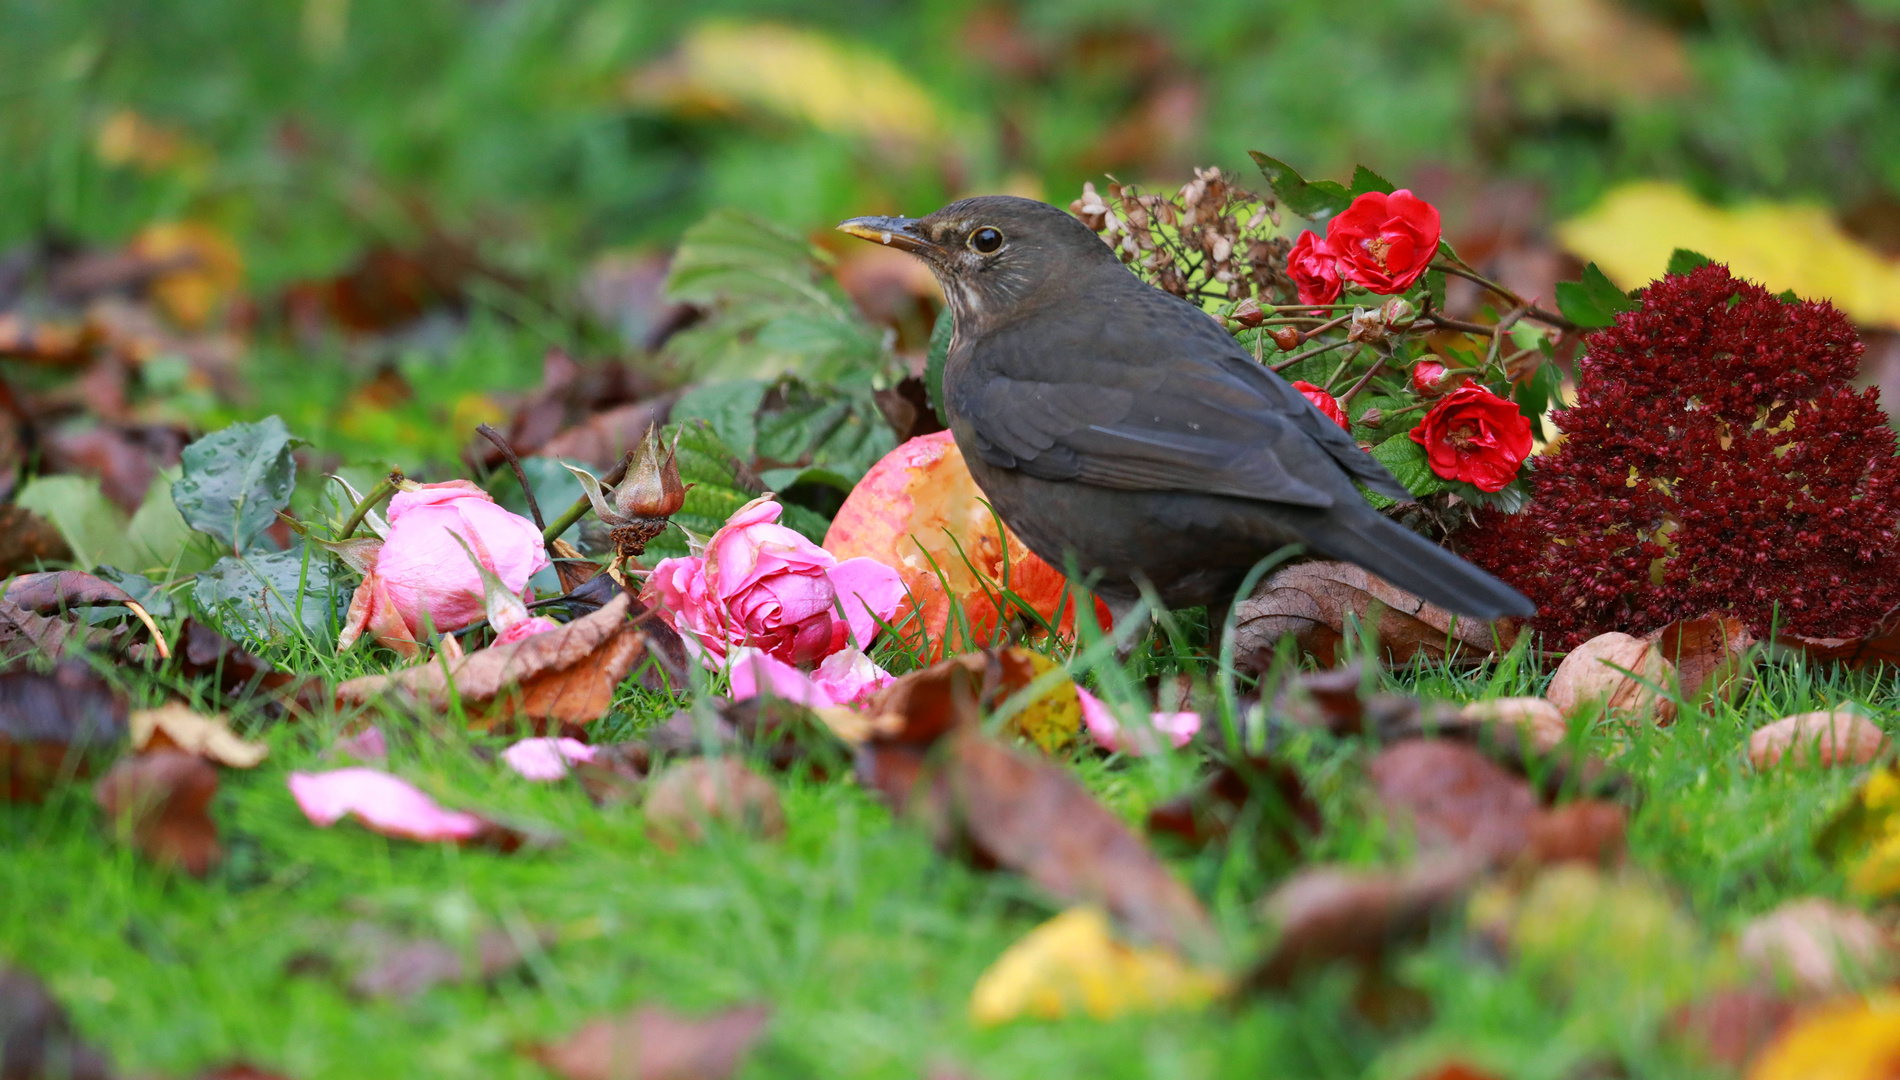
(382, 802)
(762, 585)
(846, 677)
(526, 628)
(422, 579)
(1179, 727)
(545, 759)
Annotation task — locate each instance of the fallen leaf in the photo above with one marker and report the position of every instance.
(1072, 965)
(1536, 719)
(28, 540)
(1854, 1040)
(54, 726)
(1589, 831)
(1266, 794)
(204, 268)
(392, 807)
(1864, 835)
(559, 677)
(1732, 1026)
(1326, 915)
(1828, 737)
(22, 633)
(1455, 798)
(175, 726)
(1635, 229)
(404, 969)
(1817, 946)
(653, 1043)
(1709, 655)
(1877, 646)
(601, 439)
(1626, 675)
(161, 803)
(37, 1041)
(686, 797)
(1310, 601)
(203, 652)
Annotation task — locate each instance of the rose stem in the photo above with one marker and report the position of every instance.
(1503, 327)
(1307, 355)
(581, 505)
(1346, 398)
(514, 462)
(384, 489)
(1461, 270)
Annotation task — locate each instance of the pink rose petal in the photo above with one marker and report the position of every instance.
(526, 628)
(848, 676)
(365, 745)
(866, 588)
(382, 802)
(1178, 726)
(545, 759)
(754, 673)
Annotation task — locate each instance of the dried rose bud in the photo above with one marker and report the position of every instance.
(1398, 313)
(1248, 313)
(1286, 337)
(1368, 326)
(1372, 417)
(637, 510)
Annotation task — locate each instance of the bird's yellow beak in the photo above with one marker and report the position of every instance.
(901, 233)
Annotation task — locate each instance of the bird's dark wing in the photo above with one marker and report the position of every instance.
(1068, 401)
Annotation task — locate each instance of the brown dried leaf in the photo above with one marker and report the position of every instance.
(1588, 831)
(1828, 737)
(1310, 600)
(685, 798)
(603, 438)
(37, 1041)
(203, 651)
(1817, 947)
(53, 725)
(1268, 791)
(1877, 646)
(1330, 914)
(53, 592)
(174, 726)
(1710, 655)
(160, 803)
(27, 540)
(560, 677)
(1455, 798)
(1535, 720)
(1623, 673)
(1732, 1026)
(653, 1043)
(404, 969)
(23, 633)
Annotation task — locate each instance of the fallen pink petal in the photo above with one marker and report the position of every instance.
(1179, 727)
(365, 745)
(546, 758)
(383, 803)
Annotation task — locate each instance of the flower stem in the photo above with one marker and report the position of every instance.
(384, 489)
(1346, 398)
(1459, 269)
(1307, 355)
(580, 507)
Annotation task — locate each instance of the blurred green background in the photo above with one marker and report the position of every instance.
(518, 156)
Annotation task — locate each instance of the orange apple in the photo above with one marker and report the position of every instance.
(920, 511)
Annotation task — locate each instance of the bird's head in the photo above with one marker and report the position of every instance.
(995, 255)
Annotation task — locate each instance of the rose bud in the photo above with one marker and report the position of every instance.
(1366, 326)
(1428, 378)
(1372, 417)
(1398, 313)
(1248, 313)
(1285, 337)
(1324, 402)
(637, 510)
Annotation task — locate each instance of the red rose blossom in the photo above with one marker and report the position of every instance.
(1384, 242)
(1325, 402)
(1428, 378)
(1475, 436)
(1314, 268)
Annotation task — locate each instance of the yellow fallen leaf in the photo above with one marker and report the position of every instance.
(205, 736)
(1053, 717)
(203, 268)
(1072, 965)
(722, 67)
(1865, 835)
(1633, 231)
(1857, 1040)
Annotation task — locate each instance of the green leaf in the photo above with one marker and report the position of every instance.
(1539, 393)
(729, 255)
(1309, 199)
(731, 408)
(940, 336)
(1407, 462)
(1592, 302)
(1435, 288)
(160, 540)
(1787, 296)
(1364, 180)
(1684, 261)
(236, 480)
(92, 525)
(293, 594)
(555, 489)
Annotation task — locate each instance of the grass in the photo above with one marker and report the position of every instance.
(863, 939)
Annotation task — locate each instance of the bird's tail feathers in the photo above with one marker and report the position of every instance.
(1417, 565)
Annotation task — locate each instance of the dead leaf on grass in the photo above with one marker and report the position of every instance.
(559, 677)
(1327, 915)
(1731, 1026)
(161, 804)
(1265, 795)
(53, 726)
(1864, 835)
(28, 540)
(175, 726)
(1877, 646)
(37, 1041)
(203, 652)
(1710, 655)
(1818, 947)
(1310, 600)
(654, 1043)
(1625, 675)
(406, 968)
(1455, 798)
(1072, 965)
(29, 613)
(1851, 1040)
(685, 798)
(1828, 737)
(1591, 831)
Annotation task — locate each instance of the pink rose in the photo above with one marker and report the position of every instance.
(759, 584)
(422, 579)
(526, 628)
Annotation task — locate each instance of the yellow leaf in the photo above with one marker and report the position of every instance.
(1865, 835)
(127, 138)
(722, 67)
(203, 268)
(1858, 1040)
(1053, 717)
(1072, 965)
(206, 736)
(1633, 231)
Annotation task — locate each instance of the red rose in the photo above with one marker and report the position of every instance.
(1384, 242)
(1428, 378)
(1475, 436)
(1314, 268)
(1324, 402)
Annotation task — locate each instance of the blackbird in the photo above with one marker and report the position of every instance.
(1109, 421)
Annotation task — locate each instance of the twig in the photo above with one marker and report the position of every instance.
(514, 462)
(581, 505)
(1535, 312)
(1503, 328)
(384, 489)
(1309, 335)
(1307, 355)
(1346, 398)
(1479, 329)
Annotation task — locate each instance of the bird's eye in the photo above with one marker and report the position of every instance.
(985, 241)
